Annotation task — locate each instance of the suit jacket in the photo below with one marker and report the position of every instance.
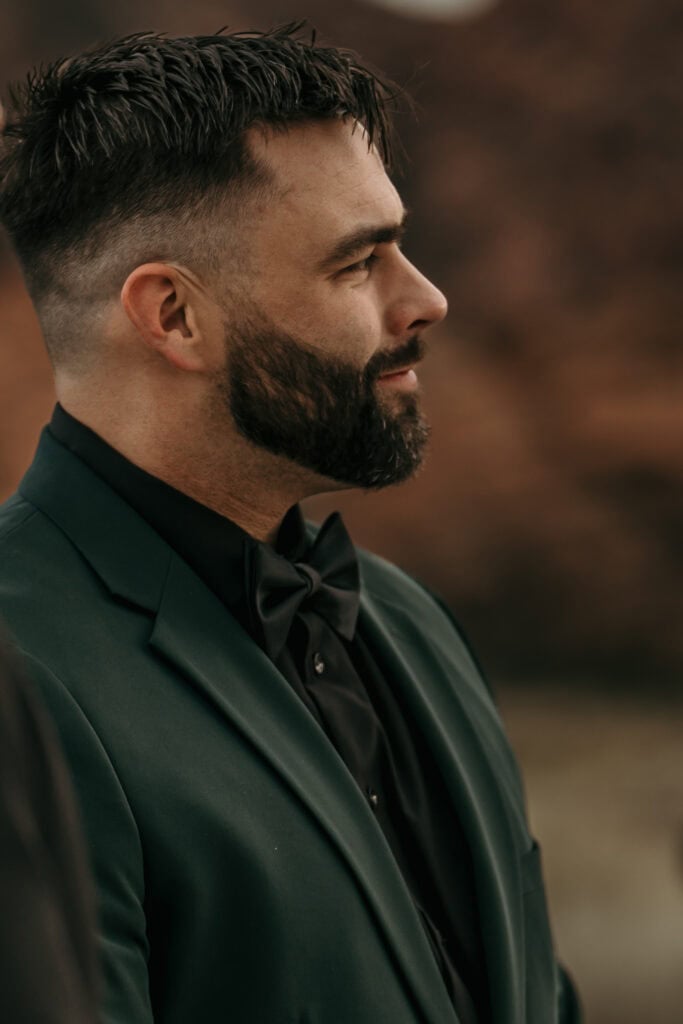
(242, 876)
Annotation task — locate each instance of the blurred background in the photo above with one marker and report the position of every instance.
(544, 173)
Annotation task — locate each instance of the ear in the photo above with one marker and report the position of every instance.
(161, 303)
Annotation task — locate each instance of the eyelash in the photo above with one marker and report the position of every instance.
(361, 265)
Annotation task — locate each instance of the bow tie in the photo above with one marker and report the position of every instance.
(328, 582)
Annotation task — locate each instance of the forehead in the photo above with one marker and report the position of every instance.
(328, 181)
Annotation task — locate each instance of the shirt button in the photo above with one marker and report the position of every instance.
(318, 663)
(372, 797)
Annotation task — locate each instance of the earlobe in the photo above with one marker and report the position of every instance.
(157, 302)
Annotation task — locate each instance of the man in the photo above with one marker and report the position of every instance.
(47, 932)
(300, 803)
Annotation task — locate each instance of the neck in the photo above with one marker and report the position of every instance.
(215, 466)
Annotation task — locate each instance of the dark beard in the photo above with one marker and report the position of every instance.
(321, 412)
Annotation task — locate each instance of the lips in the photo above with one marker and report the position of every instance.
(401, 380)
(388, 362)
(397, 373)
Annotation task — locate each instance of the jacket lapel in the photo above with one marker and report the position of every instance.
(193, 631)
(466, 737)
(210, 648)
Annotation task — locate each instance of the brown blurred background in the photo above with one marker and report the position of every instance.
(544, 174)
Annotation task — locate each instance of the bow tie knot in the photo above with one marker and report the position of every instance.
(312, 578)
(327, 583)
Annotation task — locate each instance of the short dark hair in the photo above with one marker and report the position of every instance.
(149, 125)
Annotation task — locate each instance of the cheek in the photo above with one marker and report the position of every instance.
(349, 324)
(341, 321)
(352, 340)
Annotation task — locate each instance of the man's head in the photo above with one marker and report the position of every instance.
(137, 151)
(211, 218)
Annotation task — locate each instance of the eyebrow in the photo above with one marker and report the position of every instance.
(362, 238)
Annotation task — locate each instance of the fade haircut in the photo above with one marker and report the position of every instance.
(135, 151)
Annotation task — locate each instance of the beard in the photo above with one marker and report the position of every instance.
(321, 412)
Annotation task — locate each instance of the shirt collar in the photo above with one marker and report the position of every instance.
(212, 545)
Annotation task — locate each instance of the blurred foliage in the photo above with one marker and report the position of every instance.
(543, 173)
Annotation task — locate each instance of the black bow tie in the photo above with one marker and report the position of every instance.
(328, 582)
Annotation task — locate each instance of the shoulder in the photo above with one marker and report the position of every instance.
(26, 542)
(403, 597)
(47, 591)
(32, 546)
(15, 513)
(23, 527)
(390, 584)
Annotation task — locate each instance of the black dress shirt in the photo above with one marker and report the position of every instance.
(345, 690)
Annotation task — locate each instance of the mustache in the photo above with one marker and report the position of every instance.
(413, 351)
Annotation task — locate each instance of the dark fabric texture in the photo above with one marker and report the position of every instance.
(289, 598)
(242, 874)
(47, 927)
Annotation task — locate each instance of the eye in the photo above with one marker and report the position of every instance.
(361, 265)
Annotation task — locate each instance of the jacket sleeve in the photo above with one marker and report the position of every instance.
(115, 852)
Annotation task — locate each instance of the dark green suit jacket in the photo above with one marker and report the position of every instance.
(242, 877)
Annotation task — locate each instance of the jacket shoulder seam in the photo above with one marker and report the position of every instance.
(31, 511)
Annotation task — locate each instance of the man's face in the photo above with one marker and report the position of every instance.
(320, 350)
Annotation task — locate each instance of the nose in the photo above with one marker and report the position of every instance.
(417, 304)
